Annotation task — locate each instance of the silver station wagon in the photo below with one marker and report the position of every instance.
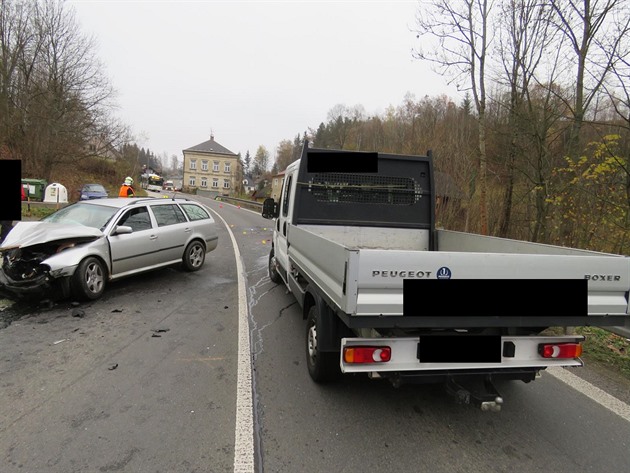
(75, 251)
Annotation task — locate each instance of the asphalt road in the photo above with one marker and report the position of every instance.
(105, 393)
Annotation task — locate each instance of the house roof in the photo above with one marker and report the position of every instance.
(210, 146)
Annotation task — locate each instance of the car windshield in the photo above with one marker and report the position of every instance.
(95, 216)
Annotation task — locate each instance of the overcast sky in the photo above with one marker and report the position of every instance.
(252, 72)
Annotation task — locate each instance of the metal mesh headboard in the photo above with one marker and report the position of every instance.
(346, 188)
(400, 194)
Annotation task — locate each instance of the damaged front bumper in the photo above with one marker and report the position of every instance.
(38, 259)
(21, 279)
(38, 286)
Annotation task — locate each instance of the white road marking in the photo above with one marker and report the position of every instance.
(244, 429)
(596, 394)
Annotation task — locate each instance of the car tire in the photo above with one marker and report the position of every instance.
(194, 256)
(322, 366)
(273, 272)
(88, 281)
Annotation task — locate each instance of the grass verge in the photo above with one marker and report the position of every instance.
(37, 213)
(607, 348)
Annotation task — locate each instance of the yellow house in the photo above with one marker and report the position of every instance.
(212, 167)
(276, 186)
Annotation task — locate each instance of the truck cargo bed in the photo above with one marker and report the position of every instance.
(361, 269)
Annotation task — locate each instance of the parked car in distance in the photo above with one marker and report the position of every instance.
(93, 191)
(78, 249)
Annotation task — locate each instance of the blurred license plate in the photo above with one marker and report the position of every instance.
(460, 349)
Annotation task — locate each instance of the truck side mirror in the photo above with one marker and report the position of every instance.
(270, 208)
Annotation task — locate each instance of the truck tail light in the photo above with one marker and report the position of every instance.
(560, 350)
(360, 354)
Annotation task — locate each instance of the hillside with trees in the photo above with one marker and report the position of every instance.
(539, 148)
(56, 104)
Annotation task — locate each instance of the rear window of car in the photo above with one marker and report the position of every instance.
(94, 188)
(195, 212)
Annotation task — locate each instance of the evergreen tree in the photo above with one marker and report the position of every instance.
(248, 161)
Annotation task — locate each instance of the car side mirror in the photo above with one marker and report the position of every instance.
(270, 208)
(122, 230)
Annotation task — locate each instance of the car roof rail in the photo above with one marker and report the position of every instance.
(133, 200)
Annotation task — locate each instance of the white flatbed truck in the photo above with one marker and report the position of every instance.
(387, 294)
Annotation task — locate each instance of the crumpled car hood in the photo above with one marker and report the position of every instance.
(25, 234)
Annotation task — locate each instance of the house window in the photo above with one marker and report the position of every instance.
(215, 182)
(226, 183)
(204, 182)
(215, 166)
(227, 167)
(204, 165)
(193, 164)
(191, 181)
(275, 182)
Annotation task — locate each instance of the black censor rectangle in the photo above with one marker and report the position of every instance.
(495, 297)
(10, 192)
(342, 161)
(460, 349)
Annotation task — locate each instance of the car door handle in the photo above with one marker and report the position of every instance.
(187, 230)
(153, 237)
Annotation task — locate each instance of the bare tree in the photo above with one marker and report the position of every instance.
(461, 29)
(342, 121)
(70, 92)
(261, 161)
(595, 31)
(524, 38)
(17, 51)
(284, 155)
(617, 89)
(174, 164)
(54, 96)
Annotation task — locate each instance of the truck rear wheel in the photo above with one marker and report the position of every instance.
(322, 366)
(273, 272)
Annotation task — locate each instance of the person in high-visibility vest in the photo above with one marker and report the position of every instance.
(126, 190)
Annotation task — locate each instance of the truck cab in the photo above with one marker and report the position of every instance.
(282, 212)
